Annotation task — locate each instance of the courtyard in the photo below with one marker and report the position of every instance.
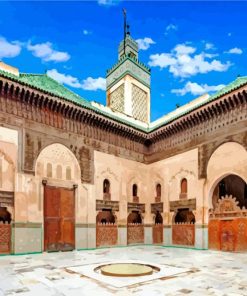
(61, 273)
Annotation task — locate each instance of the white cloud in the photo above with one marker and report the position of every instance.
(47, 53)
(162, 60)
(9, 49)
(183, 62)
(209, 45)
(86, 32)
(144, 43)
(108, 2)
(63, 78)
(235, 50)
(94, 83)
(170, 27)
(87, 84)
(196, 89)
(229, 34)
(183, 49)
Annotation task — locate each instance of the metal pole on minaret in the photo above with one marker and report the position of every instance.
(124, 13)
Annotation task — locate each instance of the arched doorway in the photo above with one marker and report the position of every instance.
(7, 175)
(135, 228)
(158, 229)
(183, 228)
(227, 228)
(106, 229)
(59, 172)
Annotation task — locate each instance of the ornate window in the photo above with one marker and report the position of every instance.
(106, 189)
(49, 170)
(184, 185)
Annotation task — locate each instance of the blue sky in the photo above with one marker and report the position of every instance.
(191, 47)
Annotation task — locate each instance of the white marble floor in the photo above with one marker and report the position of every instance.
(48, 274)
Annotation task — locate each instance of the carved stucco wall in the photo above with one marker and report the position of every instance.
(229, 158)
(61, 161)
(35, 142)
(205, 151)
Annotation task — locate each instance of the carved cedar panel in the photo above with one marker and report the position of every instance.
(158, 234)
(183, 234)
(214, 234)
(85, 158)
(228, 235)
(29, 153)
(5, 238)
(135, 233)
(106, 235)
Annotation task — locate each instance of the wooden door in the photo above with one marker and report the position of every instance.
(59, 219)
(67, 214)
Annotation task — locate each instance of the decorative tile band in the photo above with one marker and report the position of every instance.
(26, 225)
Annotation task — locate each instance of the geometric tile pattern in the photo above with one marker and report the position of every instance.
(117, 99)
(139, 104)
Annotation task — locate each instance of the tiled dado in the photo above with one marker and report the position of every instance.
(26, 238)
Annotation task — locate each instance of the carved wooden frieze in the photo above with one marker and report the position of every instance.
(6, 199)
(183, 204)
(85, 158)
(107, 204)
(132, 206)
(157, 207)
(29, 154)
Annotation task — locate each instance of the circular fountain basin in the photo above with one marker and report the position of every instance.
(127, 269)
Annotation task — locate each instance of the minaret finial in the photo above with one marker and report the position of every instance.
(125, 25)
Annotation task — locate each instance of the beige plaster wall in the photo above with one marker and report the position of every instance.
(124, 173)
(170, 172)
(8, 159)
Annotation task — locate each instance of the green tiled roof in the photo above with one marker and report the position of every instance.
(47, 84)
(239, 82)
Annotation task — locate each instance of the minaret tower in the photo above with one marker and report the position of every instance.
(128, 81)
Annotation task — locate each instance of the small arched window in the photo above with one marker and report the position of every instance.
(68, 173)
(158, 193)
(134, 190)
(106, 186)
(158, 190)
(1, 172)
(49, 170)
(184, 189)
(59, 171)
(184, 186)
